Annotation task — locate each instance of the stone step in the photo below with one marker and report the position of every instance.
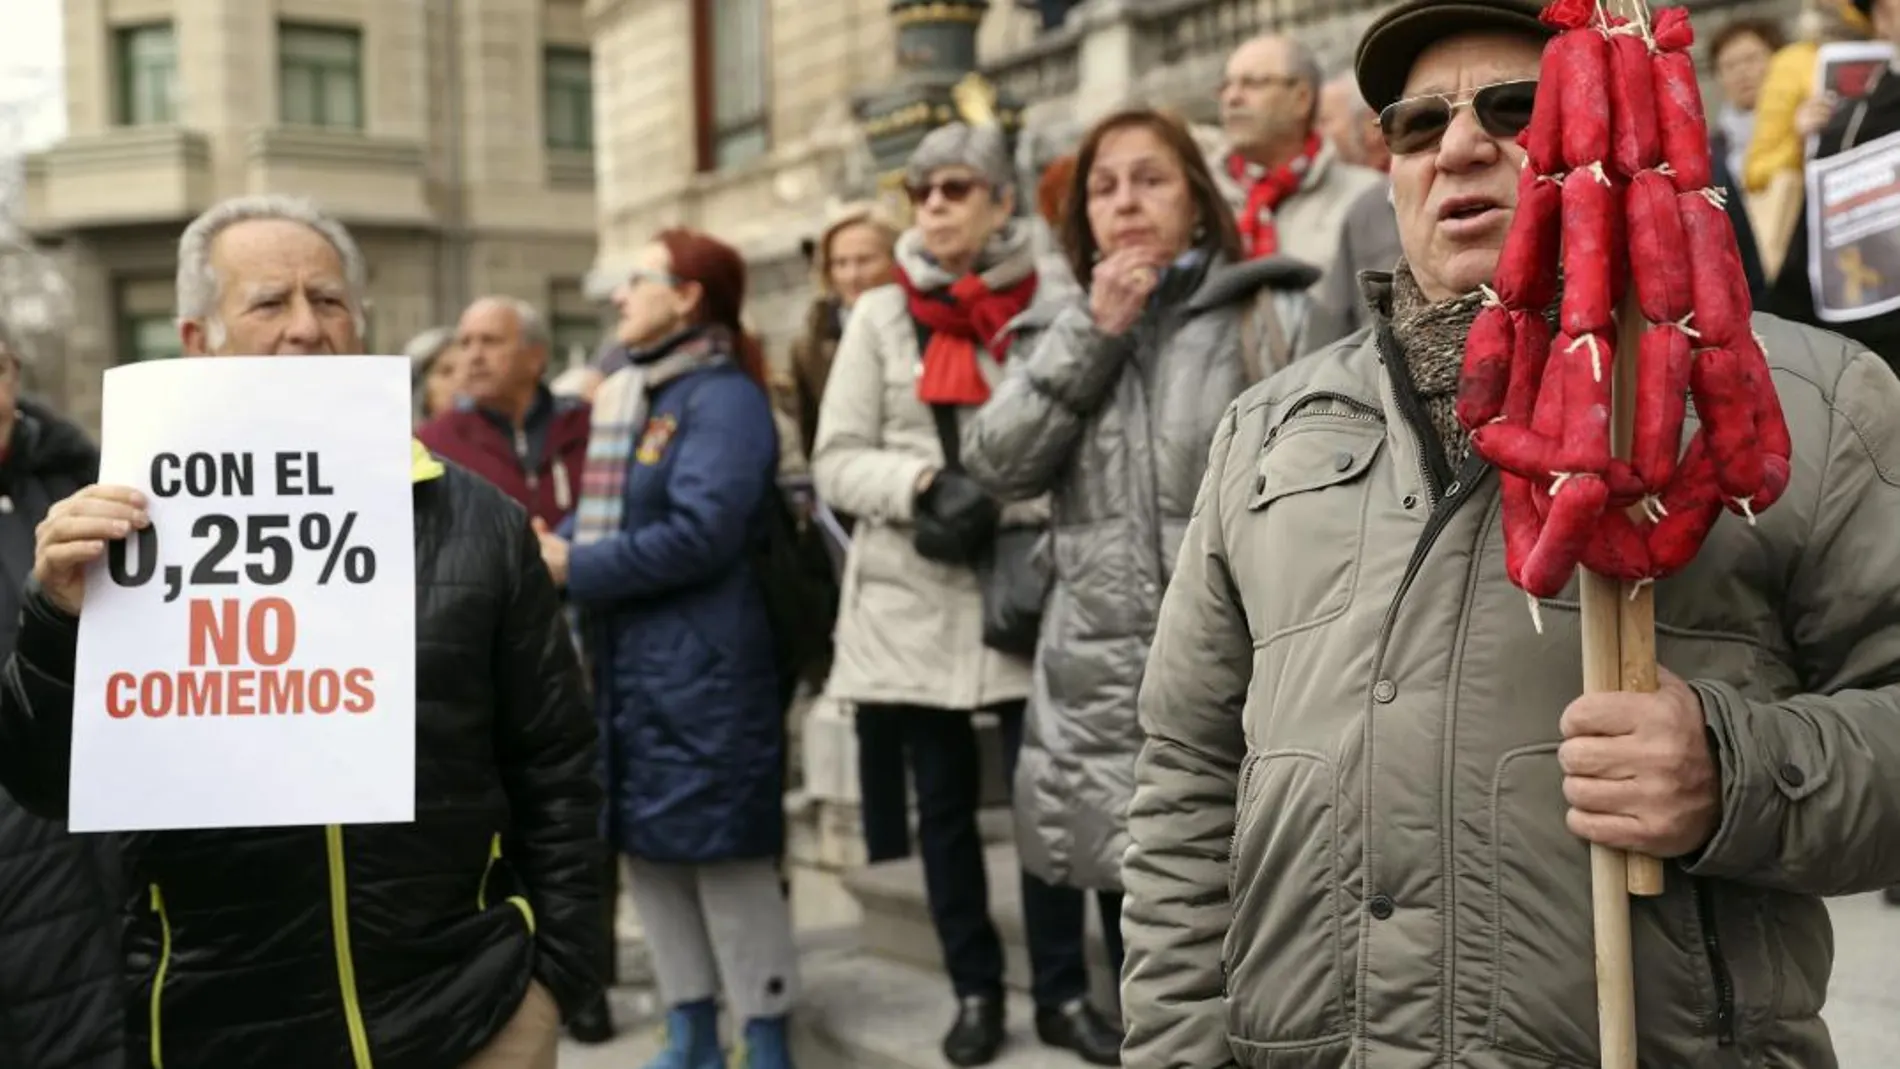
(858, 1010)
(896, 923)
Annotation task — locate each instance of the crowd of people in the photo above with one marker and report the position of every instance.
(1266, 699)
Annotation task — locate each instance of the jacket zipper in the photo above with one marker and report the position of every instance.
(345, 961)
(158, 976)
(1354, 409)
(1399, 377)
(1240, 804)
(521, 458)
(1718, 966)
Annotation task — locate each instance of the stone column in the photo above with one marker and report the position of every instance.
(1108, 58)
(936, 63)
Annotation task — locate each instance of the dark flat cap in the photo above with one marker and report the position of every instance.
(1393, 42)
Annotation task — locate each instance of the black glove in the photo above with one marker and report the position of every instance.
(955, 519)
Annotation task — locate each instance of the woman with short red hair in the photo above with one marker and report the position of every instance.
(680, 468)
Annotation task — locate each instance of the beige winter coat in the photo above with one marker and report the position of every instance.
(1348, 830)
(910, 629)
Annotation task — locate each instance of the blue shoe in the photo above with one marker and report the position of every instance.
(692, 1038)
(765, 1045)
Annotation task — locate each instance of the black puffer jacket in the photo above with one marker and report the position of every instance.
(61, 1003)
(402, 946)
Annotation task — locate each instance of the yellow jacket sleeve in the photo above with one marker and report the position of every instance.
(1776, 145)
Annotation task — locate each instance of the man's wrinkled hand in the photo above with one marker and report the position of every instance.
(554, 551)
(75, 533)
(1639, 773)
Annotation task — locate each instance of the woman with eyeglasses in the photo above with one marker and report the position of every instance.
(1111, 413)
(917, 358)
(681, 463)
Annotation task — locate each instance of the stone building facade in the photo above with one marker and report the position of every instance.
(738, 116)
(454, 137)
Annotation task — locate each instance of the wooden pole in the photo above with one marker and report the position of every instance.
(1635, 610)
(1602, 599)
(1619, 653)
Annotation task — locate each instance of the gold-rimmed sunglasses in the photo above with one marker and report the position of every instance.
(1418, 123)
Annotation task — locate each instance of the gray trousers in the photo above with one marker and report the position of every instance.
(727, 921)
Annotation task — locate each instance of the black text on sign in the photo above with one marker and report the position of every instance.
(241, 653)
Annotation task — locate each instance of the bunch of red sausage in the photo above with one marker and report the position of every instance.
(1616, 191)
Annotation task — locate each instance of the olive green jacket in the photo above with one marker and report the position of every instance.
(1347, 833)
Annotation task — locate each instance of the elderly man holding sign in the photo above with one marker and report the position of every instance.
(453, 928)
(1367, 804)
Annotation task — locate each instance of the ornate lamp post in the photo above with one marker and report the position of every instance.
(937, 83)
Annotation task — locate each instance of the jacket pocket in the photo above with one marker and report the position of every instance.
(1543, 993)
(488, 871)
(1285, 953)
(1310, 489)
(158, 977)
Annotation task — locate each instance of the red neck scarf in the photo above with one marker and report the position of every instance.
(961, 317)
(1266, 193)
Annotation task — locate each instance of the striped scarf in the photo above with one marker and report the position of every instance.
(620, 416)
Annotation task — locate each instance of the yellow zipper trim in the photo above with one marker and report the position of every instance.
(345, 962)
(481, 893)
(158, 978)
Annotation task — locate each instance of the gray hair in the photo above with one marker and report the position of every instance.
(983, 149)
(198, 280)
(528, 323)
(424, 348)
(1301, 63)
(1347, 86)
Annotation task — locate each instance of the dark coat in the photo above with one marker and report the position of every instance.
(1737, 210)
(61, 974)
(812, 353)
(686, 688)
(233, 935)
(540, 466)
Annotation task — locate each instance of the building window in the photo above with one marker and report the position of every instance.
(147, 330)
(151, 337)
(147, 58)
(567, 87)
(574, 325)
(729, 79)
(320, 76)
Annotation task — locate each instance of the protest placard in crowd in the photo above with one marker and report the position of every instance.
(249, 659)
(1854, 231)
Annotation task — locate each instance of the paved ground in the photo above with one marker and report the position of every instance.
(1863, 1008)
(1864, 1001)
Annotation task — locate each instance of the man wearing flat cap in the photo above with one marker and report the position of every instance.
(1366, 787)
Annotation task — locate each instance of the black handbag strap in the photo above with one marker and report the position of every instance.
(948, 436)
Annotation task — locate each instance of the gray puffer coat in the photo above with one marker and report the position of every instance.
(1116, 430)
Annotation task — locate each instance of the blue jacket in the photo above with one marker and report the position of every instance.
(692, 736)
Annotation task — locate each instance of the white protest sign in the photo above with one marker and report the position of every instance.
(249, 660)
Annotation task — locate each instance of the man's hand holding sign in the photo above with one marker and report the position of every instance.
(247, 581)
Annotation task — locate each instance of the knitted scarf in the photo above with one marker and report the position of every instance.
(1265, 192)
(963, 314)
(1431, 337)
(620, 416)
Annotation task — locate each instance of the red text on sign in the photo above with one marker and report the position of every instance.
(265, 635)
